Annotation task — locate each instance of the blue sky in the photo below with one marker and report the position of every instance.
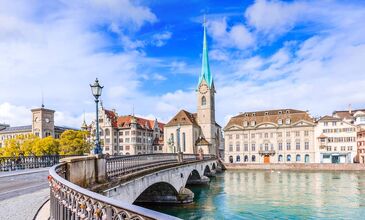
(264, 54)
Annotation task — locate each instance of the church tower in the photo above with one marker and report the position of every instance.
(43, 122)
(206, 98)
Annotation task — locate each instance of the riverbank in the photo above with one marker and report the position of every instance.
(295, 166)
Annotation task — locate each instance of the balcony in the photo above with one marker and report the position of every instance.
(267, 152)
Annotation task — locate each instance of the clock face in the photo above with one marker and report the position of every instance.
(203, 89)
(47, 120)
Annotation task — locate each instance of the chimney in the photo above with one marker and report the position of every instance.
(350, 110)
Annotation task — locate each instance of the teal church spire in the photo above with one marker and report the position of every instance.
(205, 73)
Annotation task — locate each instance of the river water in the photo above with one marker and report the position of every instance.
(253, 194)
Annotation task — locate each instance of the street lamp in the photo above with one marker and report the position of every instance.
(96, 89)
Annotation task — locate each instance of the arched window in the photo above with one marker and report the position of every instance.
(253, 158)
(246, 158)
(238, 158)
(280, 158)
(306, 158)
(231, 159)
(288, 158)
(107, 132)
(204, 100)
(298, 157)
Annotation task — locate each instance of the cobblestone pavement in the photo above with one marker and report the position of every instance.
(21, 195)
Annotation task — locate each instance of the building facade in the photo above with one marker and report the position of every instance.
(273, 136)
(42, 126)
(361, 146)
(335, 140)
(196, 132)
(127, 135)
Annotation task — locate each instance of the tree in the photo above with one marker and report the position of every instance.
(12, 146)
(46, 146)
(74, 143)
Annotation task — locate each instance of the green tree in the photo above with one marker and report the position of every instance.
(12, 146)
(74, 143)
(46, 146)
(28, 145)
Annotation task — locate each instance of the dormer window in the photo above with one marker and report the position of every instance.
(253, 114)
(280, 121)
(253, 123)
(266, 113)
(246, 115)
(280, 112)
(287, 111)
(245, 124)
(287, 121)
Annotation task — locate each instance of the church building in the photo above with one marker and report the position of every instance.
(196, 132)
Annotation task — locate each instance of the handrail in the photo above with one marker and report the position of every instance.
(70, 201)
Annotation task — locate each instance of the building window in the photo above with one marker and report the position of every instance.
(237, 136)
(253, 158)
(280, 121)
(280, 146)
(253, 123)
(252, 136)
(230, 137)
(280, 158)
(107, 132)
(287, 121)
(306, 158)
(245, 158)
(183, 141)
(238, 158)
(204, 100)
(306, 145)
(297, 146)
(328, 148)
(288, 146)
(325, 123)
(230, 147)
(298, 158)
(245, 123)
(246, 147)
(121, 133)
(253, 147)
(266, 113)
(237, 146)
(306, 133)
(297, 133)
(288, 158)
(349, 148)
(343, 148)
(288, 134)
(279, 134)
(127, 133)
(266, 135)
(245, 136)
(333, 123)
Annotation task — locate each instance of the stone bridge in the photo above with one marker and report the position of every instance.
(108, 188)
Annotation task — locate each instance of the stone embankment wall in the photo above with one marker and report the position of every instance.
(297, 166)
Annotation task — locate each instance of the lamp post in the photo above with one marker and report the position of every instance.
(178, 138)
(96, 89)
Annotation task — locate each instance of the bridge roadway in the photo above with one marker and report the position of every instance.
(22, 193)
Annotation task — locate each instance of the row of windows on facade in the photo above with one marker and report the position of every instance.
(361, 143)
(338, 139)
(333, 123)
(127, 148)
(343, 148)
(298, 158)
(267, 113)
(266, 135)
(280, 122)
(128, 140)
(339, 130)
(126, 133)
(266, 146)
(11, 136)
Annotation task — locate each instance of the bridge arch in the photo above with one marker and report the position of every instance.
(206, 170)
(158, 192)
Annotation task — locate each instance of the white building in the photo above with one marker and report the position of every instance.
(335, 140)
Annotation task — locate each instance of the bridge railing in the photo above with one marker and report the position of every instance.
(70, 201)
(29, 162)
(120, 165)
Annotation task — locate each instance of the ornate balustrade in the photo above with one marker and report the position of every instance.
(28, 162)
(70, 201)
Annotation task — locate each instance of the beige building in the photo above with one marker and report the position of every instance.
(127, 135)
(273, 136)
(42, 126)
(361, 146)
(335, 140)
(196, 132)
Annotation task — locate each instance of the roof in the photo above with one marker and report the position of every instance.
(205, 73)
(329, 118)
(322, 136)
(270, 116)
(346, 114)
(201, 141)
(125, 121)
(112, 116)
(26, 128)
(183, 117)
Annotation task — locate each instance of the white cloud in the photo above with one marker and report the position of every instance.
(160, 39)
(237, 36)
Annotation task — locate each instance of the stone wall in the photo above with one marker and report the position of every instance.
(302, 166)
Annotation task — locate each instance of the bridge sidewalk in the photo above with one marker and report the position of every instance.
(22, 172)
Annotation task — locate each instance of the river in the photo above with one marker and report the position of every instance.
(254, 194)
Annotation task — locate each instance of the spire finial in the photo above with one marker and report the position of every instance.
(42, 99)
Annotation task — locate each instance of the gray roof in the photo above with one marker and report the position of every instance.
(17, 129)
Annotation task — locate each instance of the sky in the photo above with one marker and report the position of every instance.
(264, 54)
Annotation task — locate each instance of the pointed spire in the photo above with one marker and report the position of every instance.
(84, 125)
(205, 73)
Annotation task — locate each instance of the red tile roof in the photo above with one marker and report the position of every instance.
(112, 116)
(125, 121)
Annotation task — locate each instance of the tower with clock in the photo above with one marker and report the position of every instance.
(43, 122)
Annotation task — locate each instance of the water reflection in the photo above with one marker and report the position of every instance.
(284, 194)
